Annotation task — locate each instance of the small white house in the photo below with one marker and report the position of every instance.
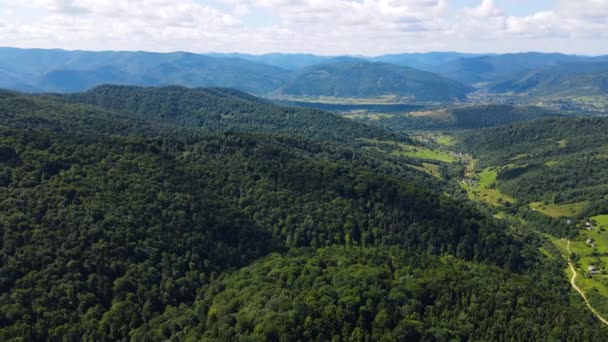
(593, 270)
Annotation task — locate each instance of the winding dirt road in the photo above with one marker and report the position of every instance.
(573, 283)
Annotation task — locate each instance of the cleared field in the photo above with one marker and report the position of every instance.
(584, 255)
(431, 114)
(412, 151)
(386, 99)
(482, 187)
(601, 221)
(424, 153)
(560, 210)
(445, 140)
(431, 169)
(364, 115)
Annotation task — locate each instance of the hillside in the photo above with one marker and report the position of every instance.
(457, 118)
(493, 69)
(358, 78)
(220, 109)
(573, 79)
(558, 160)
(134, 233)
(74, 71)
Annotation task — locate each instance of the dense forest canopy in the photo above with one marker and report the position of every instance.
(208, 214)
(359, 78)
(222, 109)
(553, 159)
(458, 117)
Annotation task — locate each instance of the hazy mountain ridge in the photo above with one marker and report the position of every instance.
(38, 70)
(573, 79)
(348, 77)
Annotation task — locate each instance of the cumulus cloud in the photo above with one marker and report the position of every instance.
(487, 8)
(319, 26)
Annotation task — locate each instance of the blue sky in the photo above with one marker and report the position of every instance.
(328, 27)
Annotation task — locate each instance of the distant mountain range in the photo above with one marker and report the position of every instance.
(359, 78)
(436, 76)
(73, 71)
(574, 79)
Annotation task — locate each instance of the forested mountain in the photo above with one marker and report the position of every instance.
(73, 71)
(429, 61)
(209, 214)
(285, 61)
(573, 79)
(423, 61)
(104, 234)
(561, 160)
(220, 109)
(38, 70)
(359, 78)
(469, 117)
(496, 68)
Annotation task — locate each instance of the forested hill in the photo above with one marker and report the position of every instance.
(469, 117)
(573, 79)
(219, 109)
(114, 228)
(359, 78)
(493, 69)
(561, 160)
(40, 70)
(101, 235)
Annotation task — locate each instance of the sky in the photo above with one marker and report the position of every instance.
(324, 27)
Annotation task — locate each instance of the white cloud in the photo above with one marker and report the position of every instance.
(487, 8)
(319, 26)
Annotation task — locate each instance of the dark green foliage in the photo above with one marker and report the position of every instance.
(97, 229)
(227, 109)
(384, 294)
(358, 78)
(130, 222)
(557, 160)
(466, 117)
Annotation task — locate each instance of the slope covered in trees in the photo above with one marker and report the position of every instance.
(359, 78)
(177, 111)
(123, 223)
(556, 159)
(456, 118)
(493, 69)
(101, 235)
(573, 79)
(218, 109)
(74, 71)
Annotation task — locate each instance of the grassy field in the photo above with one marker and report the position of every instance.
(445, 140)
(596, 286)
(412, 151)
(482, 187)
(424, 153)
(438, 114)
(431, 169)
(386, 99)
(601, 221)
(362, 114)
(560, 210)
